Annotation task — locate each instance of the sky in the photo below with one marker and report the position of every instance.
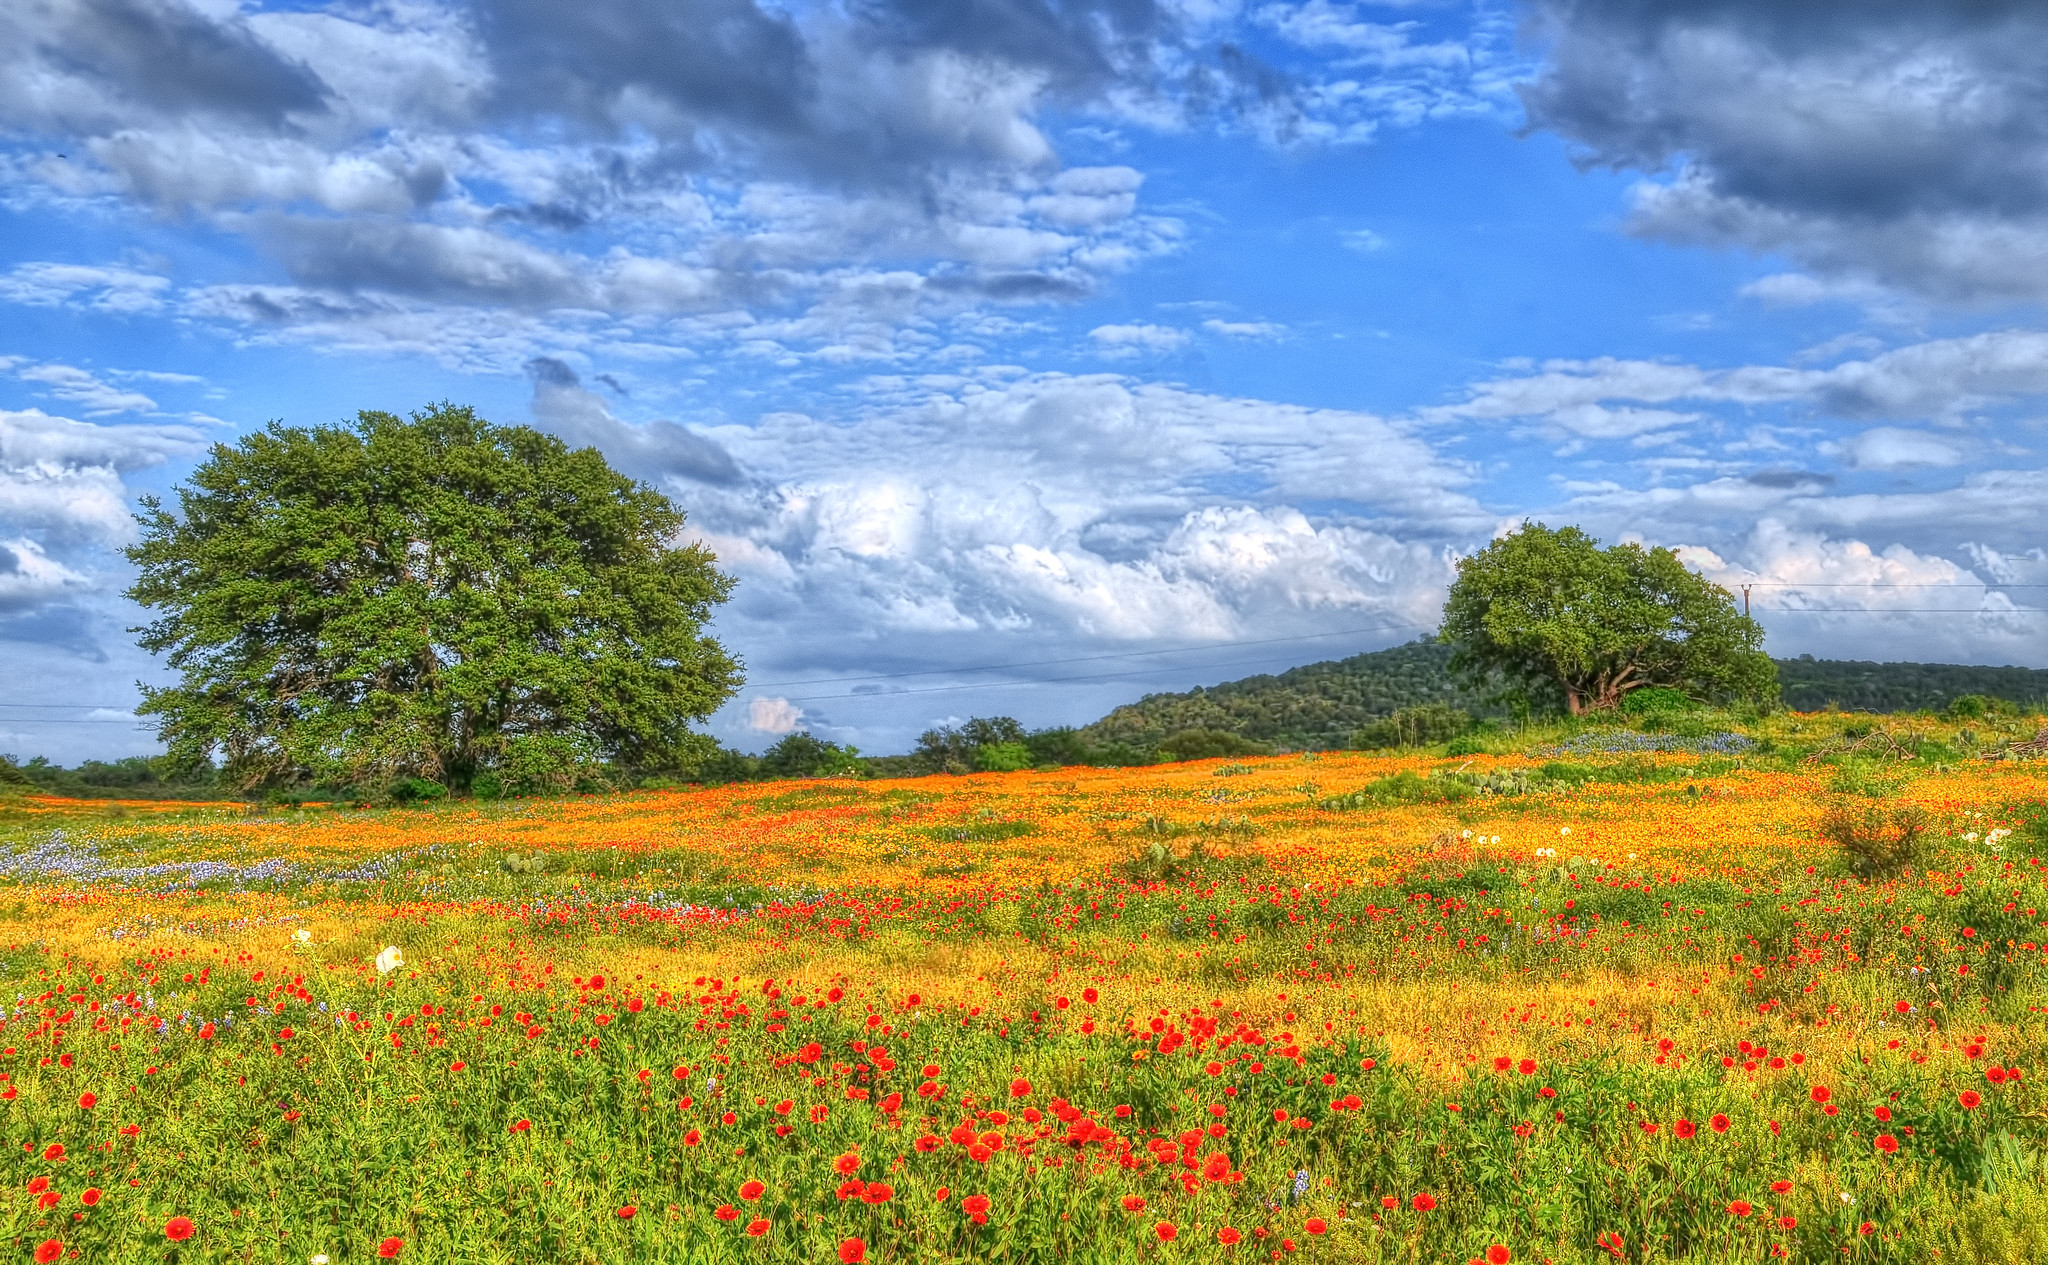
(1023, 357)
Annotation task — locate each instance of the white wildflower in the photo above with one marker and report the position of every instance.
(389, 959)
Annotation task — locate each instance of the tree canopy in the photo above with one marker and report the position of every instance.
(434, 597)
(1542, 609)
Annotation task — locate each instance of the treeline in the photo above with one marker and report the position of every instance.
(1807, 684)
(1400, 697)
(136, 777)
(986, 744)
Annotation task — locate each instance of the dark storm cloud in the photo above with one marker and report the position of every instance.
(1781, 479)
(1081, 45)
(654, 451)
(1818, 126)
(169, 57)
(463, 265)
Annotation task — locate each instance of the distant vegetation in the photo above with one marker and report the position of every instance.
(1808, 684)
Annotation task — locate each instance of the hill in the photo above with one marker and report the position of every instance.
(1313, 707)
(1809, 684)
(1320, 705)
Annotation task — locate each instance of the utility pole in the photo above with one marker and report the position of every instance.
(1745, 601)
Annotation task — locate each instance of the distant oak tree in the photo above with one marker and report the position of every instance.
(1541, 609)
(434, 597)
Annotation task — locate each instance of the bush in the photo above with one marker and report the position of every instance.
(1413, 727)
(417, 790)
(1969, 707)
(1656, 701)
(1002, 757)
(1876, 840)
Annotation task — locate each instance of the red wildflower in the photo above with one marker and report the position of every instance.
(90, 1197)
(1781, 1187)
(726, 1212)
(53, 1152)
(1821, 1093)
(390, 1248)
(1719, 1123)
(1166, 1231)
(1526, 1067)
(1315, 1225)
(88, 1101)
(1228, 1236)
(1685, 1128)
(1887, 1143)
(1740, 1208)
(846, 1164)
(852, 1251)
(626, 1213)
(178, 1229)
(877, 1193)
(1498, 1255)
(1134, 1203)
(1423, 1203)
(49, 1250)
(752, 1191)
(1019, 1087)
(757, 1227)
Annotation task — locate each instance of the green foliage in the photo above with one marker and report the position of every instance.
(135, 777)
(426, 598)
(1657, 701)
(1420, 726)
(801, 754)
(417, 790)
(1002, 757)
(1877, 840)
(1809, 684)
(1208, 744)
(1319, 706)
(1543, 610)
(1405, 787)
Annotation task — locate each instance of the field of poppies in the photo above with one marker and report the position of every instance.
(1738, 993)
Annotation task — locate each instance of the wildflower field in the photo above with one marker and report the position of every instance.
(1775, 992)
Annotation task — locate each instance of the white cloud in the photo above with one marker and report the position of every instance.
(1891, 448)
(774, 715)
(1256, 331)
(81, 386)
(29, 577)
(65, 477)
(1131, 340)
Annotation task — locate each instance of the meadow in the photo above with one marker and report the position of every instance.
(1570, 995)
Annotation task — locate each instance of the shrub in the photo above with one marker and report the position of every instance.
(1002, 757)
(1413, 727)
(1876, 840)
(1656, 701)
(416, 790)
(1969, 706)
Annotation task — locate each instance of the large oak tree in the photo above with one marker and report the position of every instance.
(1552, 609)
(429, 597)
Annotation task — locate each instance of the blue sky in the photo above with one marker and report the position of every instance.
(1022, 357)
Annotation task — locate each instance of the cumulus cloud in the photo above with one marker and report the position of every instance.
(1904, 144)
(66, 477)
(844, 174)
(657, 451)
(29, 577)
(776, 716)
